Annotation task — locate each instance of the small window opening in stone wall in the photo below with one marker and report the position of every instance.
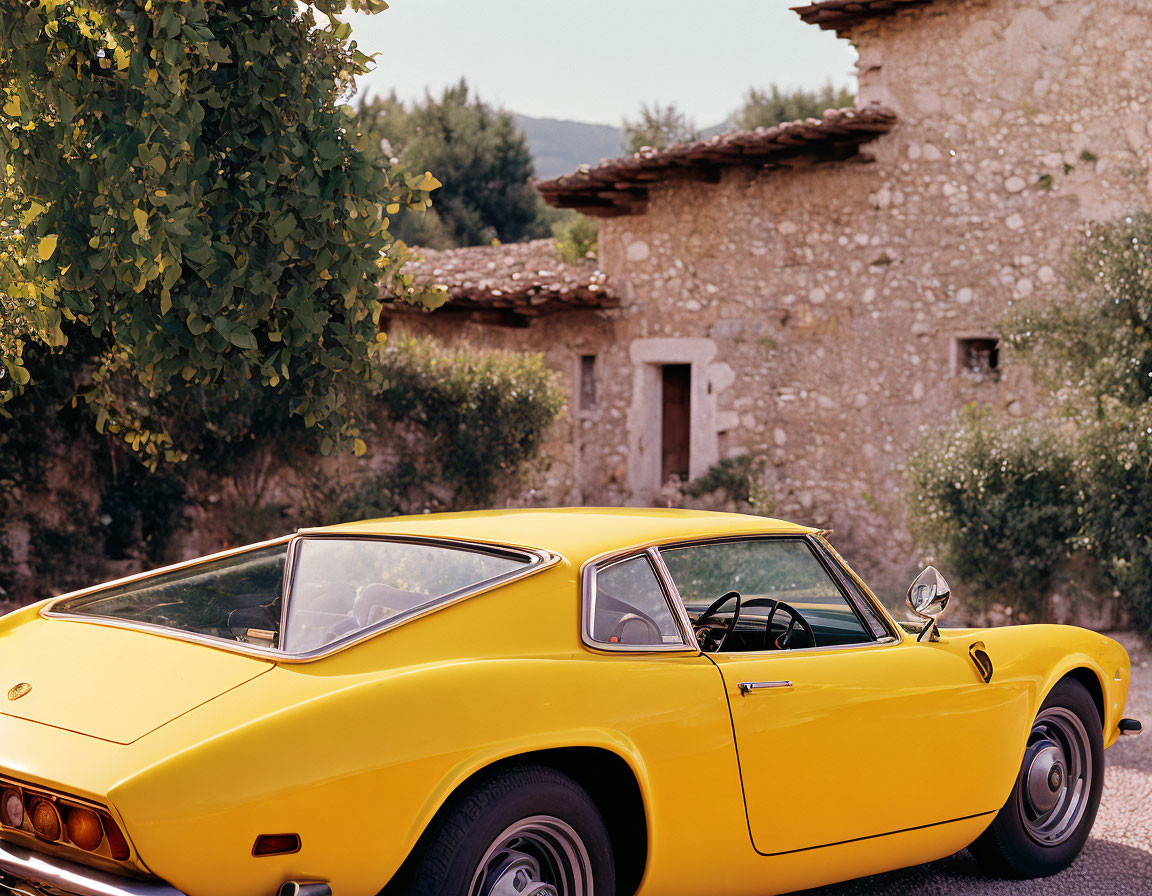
(587, 382)
(978, 358)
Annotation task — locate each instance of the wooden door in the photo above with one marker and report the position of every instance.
(676, 417)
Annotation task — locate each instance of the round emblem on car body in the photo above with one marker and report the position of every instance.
(19, 690)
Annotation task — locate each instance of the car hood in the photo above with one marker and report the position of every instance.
(112, 683)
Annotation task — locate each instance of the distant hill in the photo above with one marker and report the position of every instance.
(560, 147)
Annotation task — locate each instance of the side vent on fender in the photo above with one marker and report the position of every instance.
(981, 660)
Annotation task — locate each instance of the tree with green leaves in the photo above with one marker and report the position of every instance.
(772, 106)
(1095, 353)
(187, 204)
(1011, 498)
(658, 127)
(479, 154)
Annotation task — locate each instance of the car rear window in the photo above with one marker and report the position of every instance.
(337, 588)
(340, 587)
(237, 597)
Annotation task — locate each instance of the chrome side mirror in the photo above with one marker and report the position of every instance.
(928, 598)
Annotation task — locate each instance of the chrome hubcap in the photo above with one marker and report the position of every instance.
(538, 856)
(1057, 776)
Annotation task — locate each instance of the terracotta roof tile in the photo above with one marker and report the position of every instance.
(620, 186)
(841, 15)
(511, 283)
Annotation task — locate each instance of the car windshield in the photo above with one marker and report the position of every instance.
(340, 587)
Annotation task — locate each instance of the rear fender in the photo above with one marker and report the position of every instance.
(594, 738)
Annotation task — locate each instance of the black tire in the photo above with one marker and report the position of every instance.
(556, 811)
(1025, 842)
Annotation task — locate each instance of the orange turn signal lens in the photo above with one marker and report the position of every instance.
(46, 821)
(12, 809)
(276, 844)
(84, 829)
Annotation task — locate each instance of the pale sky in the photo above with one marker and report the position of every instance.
(598, 60)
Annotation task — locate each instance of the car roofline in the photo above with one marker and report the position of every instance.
(457, 527)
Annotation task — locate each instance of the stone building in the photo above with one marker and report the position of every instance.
(825, 294)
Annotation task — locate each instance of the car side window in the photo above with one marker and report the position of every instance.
(626, 607)
(788, 598)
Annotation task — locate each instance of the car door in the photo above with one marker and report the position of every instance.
(863, 733)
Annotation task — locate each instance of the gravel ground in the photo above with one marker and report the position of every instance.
(1116, 861)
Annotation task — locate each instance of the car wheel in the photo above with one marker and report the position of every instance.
(521, 832)
(1053, 804)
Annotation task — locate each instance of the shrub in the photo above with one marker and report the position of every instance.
(736, 480)
(479, 416)
(577, 237)
(1095, 351)
(999, 505)
(1116, 468)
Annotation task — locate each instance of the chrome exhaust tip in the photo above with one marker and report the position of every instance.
(304, 888)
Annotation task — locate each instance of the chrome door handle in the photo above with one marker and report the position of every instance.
(747, 687)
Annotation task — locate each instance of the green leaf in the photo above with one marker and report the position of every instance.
(283, 228)
(35, 209)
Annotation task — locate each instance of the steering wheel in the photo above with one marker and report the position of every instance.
(785, 638)
(652, 634)
(712, 635)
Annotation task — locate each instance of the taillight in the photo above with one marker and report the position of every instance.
(12, 809)
(46, 821)
(59, 818)
(117, 845)
(84, 828)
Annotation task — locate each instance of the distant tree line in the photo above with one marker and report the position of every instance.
(483, 161)
(659, 127)
(478, 154)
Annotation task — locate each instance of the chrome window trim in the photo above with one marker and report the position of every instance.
(538, 560)
(588, 571)
(841, 566)
(678, 608)
(825, 560)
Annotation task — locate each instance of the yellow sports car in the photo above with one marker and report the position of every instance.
(534, 703)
